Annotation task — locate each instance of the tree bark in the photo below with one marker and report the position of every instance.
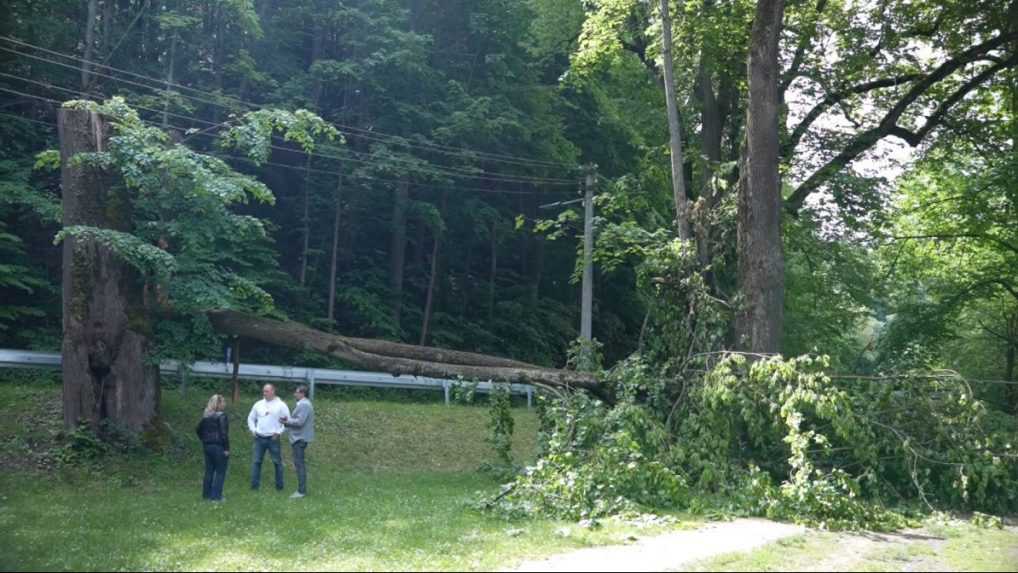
(106, 375)
(433, 280)
(334, 265)
(397, 252)
(761, 260)
(494, 271)
(536, 266)
(1010, 360)
(674, 129)
(398, 359)
(712, 126)
(430, 299)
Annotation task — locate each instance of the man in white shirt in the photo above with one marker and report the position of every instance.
(264, 424)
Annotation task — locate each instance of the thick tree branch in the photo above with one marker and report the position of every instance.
(835, 98)
(398, 359)
(1008, 287)
(937, 117)
(1001, 242)
(994, 332)
(805, 42)
(862, 142)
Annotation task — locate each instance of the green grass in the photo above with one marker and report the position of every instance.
(391, 483)
(971, 549)
(793, 553)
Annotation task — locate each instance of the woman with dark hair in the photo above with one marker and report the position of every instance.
(214, 433)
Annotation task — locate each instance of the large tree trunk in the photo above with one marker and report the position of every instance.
(674, 129)
(761, 260)
(712, 125)
(105, 343)
(398, 359)
(397, 252)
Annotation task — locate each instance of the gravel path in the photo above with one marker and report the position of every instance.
(673, 550)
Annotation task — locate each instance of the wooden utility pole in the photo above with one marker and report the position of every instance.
(236, 370)
(587, 304)
(306, 223)
(674, 128)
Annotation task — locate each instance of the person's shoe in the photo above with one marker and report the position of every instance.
(297, 495)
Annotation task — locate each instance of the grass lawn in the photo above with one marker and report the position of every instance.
(391, 485)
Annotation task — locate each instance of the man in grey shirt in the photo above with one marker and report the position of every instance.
(301, 427)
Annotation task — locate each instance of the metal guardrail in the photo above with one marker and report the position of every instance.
(270, 373)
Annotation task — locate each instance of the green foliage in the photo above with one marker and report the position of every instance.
(984, 521)
(15, 275)
(501, 425)
(253, 135)
(184, 233)
(146, 258)
(597, 461)
(82, 445)
(778, 438)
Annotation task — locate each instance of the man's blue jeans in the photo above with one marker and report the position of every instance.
(271, 445)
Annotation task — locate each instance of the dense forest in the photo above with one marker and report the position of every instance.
(832, 178)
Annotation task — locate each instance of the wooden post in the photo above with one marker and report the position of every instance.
(674, 128)
(587, 306)
(236, 369)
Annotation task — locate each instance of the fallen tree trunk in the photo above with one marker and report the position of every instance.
(395, 358)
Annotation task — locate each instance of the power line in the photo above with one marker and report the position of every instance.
(425, 170)
(438, 148)
(457, 172)
(295, 167)
(48, 124)
(23, 94)
(920, 377)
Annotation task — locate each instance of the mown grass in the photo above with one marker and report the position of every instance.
(393, 483)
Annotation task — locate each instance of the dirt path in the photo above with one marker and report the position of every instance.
(671, 551)
(912, 550)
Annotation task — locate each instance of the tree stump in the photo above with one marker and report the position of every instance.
(106, 376)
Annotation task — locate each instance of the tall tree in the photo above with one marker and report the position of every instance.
(397, 251)
(761, 259)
